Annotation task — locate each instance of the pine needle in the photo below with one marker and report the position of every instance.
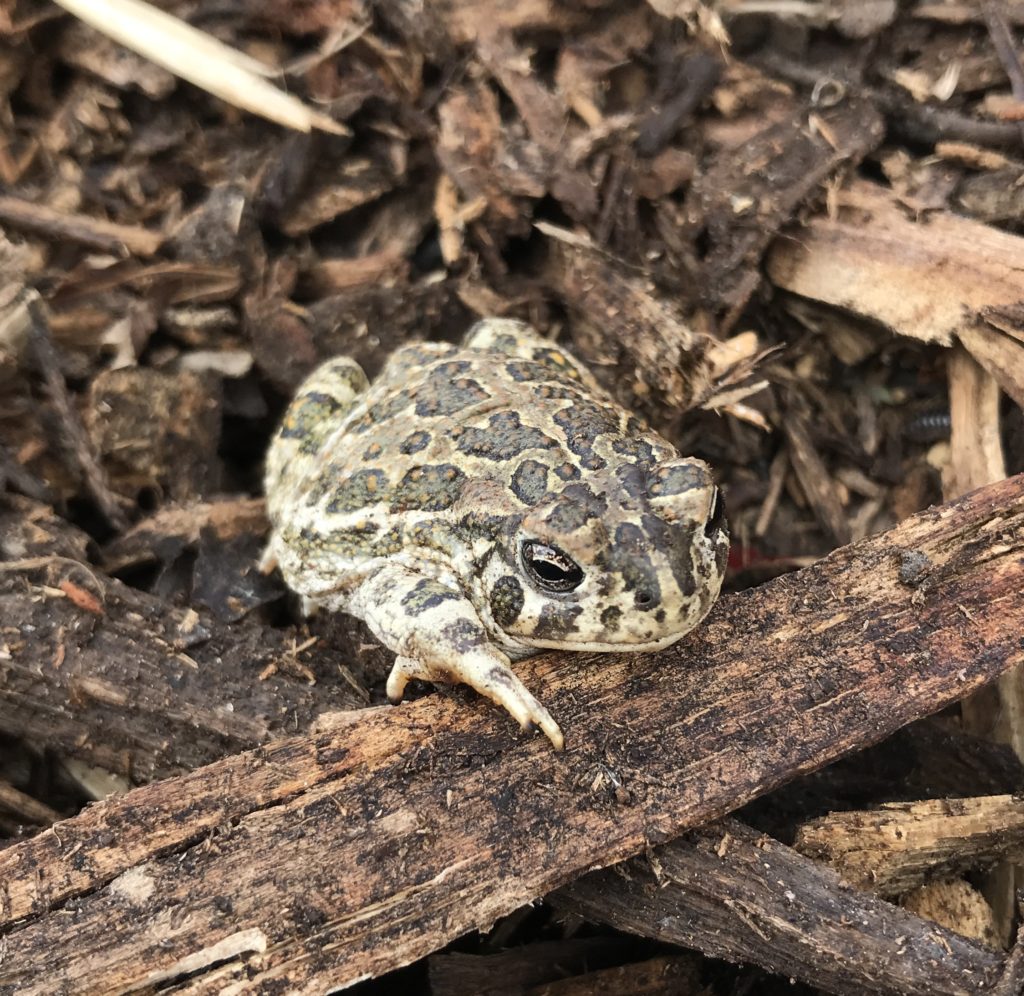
(200, 59)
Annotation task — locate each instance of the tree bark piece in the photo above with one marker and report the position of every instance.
(817, 483)
(933, 280)
(976, 458)
(315, 862)
(735, 894)
(900, 846)
(73, 437)
(117, 678)
(655, 356)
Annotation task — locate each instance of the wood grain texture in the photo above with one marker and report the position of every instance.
(735, 894)
(136, 686)
(902, 845)
(317, 861)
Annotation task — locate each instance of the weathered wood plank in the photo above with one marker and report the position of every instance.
(320, 861)
(934, 279)
(735, 894)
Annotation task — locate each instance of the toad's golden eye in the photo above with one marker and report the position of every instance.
(549, 567)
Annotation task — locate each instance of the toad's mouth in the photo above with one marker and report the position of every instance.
(607, 646)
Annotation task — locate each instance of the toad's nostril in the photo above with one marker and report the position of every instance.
(644, 598)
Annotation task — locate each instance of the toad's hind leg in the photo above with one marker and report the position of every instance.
(321, 402)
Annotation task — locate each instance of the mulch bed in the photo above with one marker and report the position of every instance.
(790, 239)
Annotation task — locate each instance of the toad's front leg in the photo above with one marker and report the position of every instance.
(438, 636)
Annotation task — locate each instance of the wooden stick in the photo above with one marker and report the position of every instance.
(75, 440)
(318, 861)
(84, 229)
(736, 894)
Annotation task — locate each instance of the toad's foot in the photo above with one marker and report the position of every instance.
(490, 676)
(438, 636)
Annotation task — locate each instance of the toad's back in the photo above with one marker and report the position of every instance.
(518, 413)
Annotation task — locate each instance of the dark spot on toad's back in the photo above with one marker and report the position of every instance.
(554, 361)
(416, 356)
(556, 620)
(383, 412)
(446, 391)
(308, 420)
(530, 482)
(427, 594)
(503, 343)
(430, 488)
(525, 371)
(582, 422)
(638, 450)
(506, 600)
(567, 515)
(557, 392)
(463, 635)
(415, 442)
(576, 506)
(504, 438)
(584, 494)
(364, 487)
(632, 480)
(567, 471)
(675, 479)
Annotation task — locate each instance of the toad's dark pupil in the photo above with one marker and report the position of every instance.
(551, 568)
(716, 520)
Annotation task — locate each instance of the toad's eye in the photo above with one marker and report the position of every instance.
(716, 520)
(551, 569)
